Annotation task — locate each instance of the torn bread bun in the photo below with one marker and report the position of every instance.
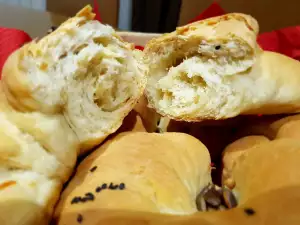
(213, 69)
(160, 173)
(191, 68)
(82, 69)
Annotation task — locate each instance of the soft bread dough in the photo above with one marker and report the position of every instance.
(82, 69)
(59, 97)
(214, 69)
(161, 172)
(187, 66)
(37, 155)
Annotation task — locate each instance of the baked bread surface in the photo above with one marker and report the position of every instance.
(160, 173)
(255, 165)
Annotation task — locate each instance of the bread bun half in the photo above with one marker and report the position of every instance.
(84, 70)
(189, 67)
(214, 69)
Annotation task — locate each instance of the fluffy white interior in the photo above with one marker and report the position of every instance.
(21, 151)
(28, 185)
(102, 101)
(89, 72)
(51, 131)
(200, 84)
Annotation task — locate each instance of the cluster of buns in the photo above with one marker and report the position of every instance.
(60, 96)
(63, 95)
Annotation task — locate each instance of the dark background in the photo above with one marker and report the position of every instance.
(155, 16)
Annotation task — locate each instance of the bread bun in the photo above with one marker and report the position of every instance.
(235, 150)
(213, 69)
(276, 166)
(84, 70)
(254, 164)
(160, 173)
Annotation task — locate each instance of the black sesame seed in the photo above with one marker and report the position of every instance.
(89, 196)
(93, 168)
(98, 189)
(104, 186)
(83, 200)
(218, 47)
(75, 200)
(249, 211)
(79, 218)
(122, 186)
(112, 186)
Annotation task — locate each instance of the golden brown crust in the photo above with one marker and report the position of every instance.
(87, 12)
(276, 125)
(219, 28)
(149, 165)
(234, 150)
(15, 84)
(279, 156)
(261, 210)
(276, 161)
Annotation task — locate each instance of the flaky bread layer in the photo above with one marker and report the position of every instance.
(190, 67)
(83, 70)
